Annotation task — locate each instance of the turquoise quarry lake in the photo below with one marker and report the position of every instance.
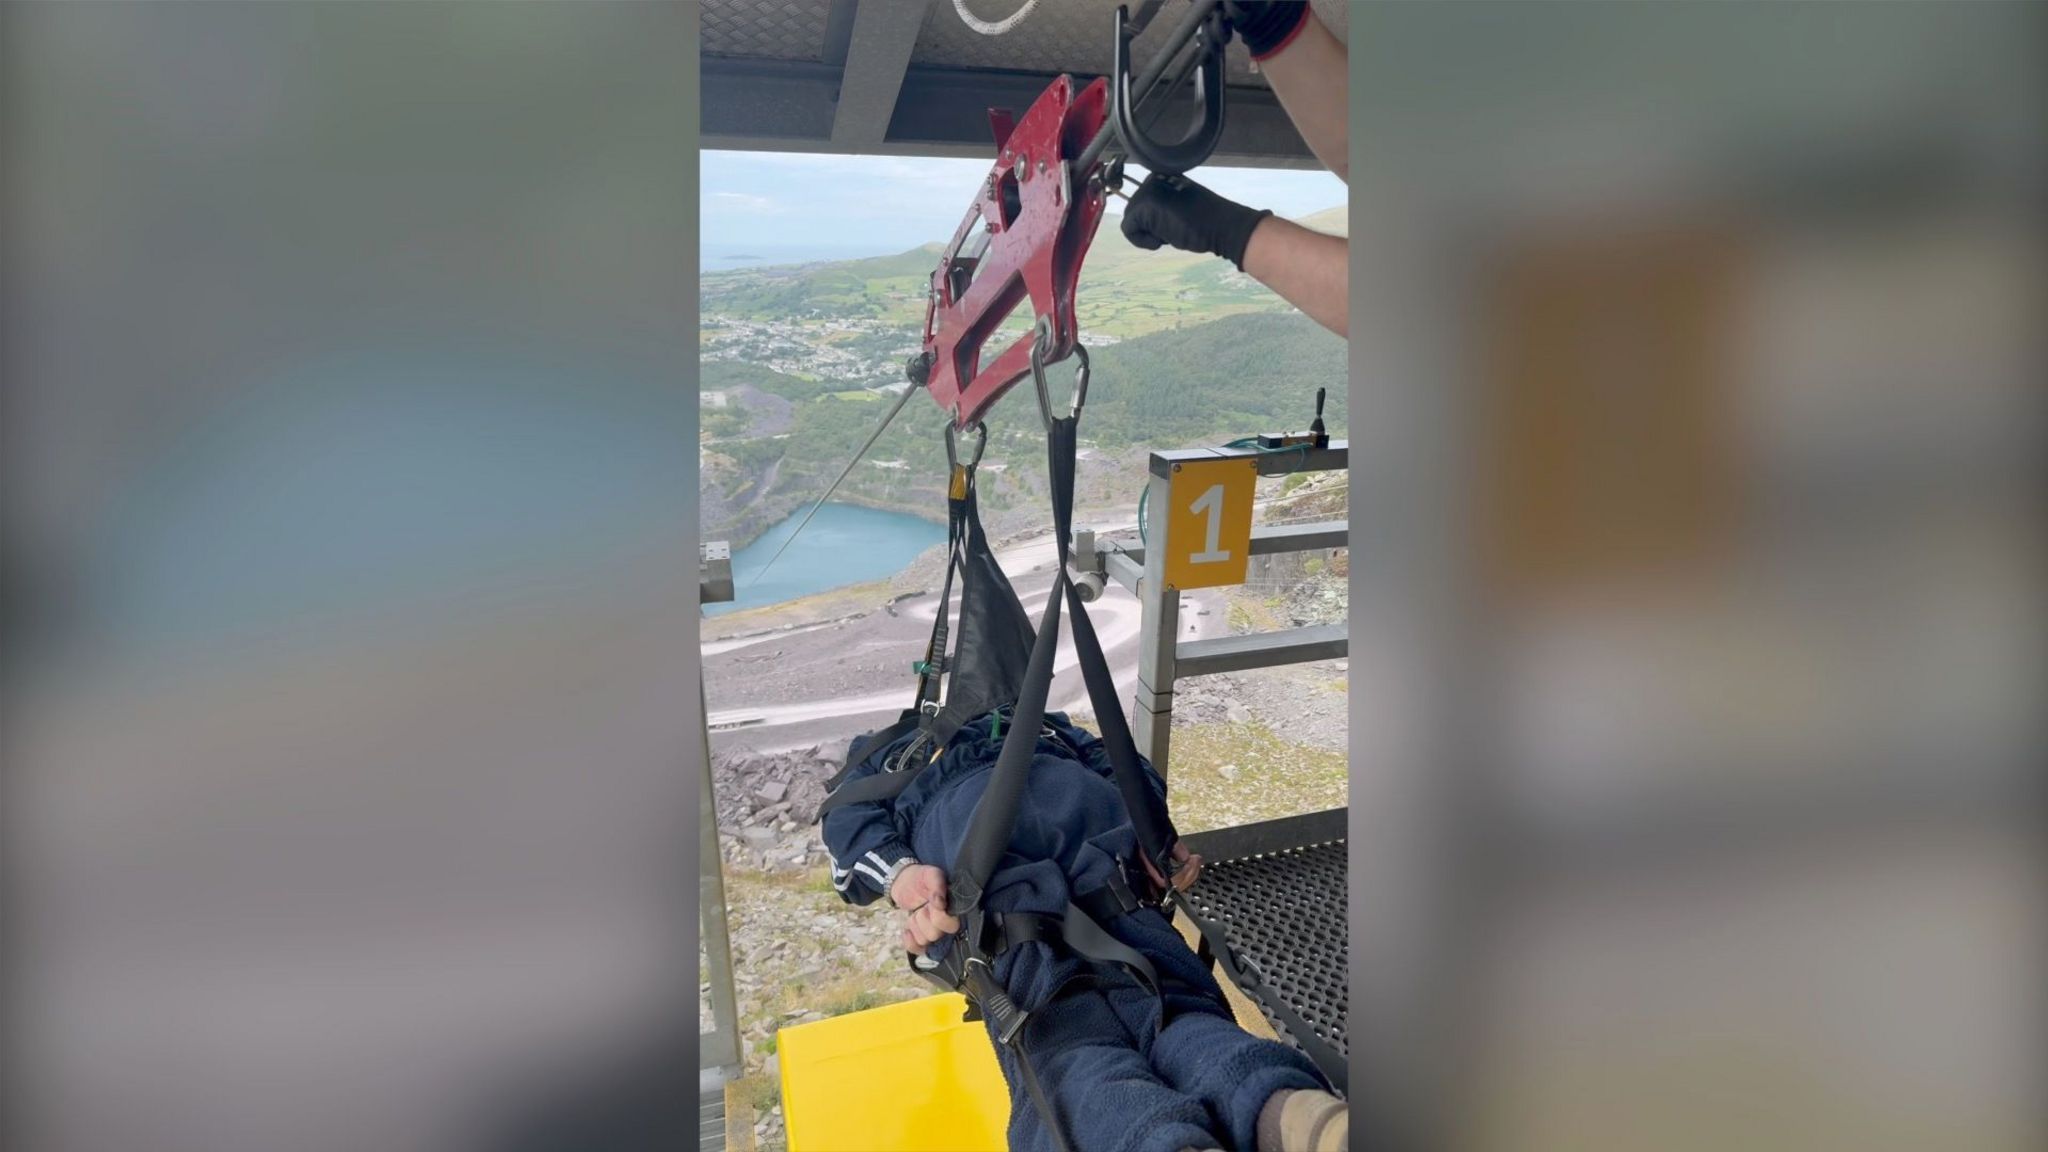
(843, 544)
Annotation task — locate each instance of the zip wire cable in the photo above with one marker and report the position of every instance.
(844, 473)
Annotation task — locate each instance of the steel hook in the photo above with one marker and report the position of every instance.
(1039, 345)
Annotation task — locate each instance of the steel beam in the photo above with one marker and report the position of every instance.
(767, 105)
(1241, 840)
(1261, 650)
(1127, 568)
(877, 57)
(793, 106)
(1125, 563)
(1277, 539)
(1280, 462)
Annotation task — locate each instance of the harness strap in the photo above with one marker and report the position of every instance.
(904, 725)
(1039, 1099)
(932, 670)
(1081, 935)
(1110, 901)
(995, 816)
(880, 786)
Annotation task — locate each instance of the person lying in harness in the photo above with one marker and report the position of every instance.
(1133, 1048)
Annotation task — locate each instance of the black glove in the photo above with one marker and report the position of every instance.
(1265, 25)
(1177, 211)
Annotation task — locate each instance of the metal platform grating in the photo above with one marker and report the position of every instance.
(711, 1119)
(1285, 913)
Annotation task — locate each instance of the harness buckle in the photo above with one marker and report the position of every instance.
(1127, 901)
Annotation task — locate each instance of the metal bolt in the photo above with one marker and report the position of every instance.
(1176, 467)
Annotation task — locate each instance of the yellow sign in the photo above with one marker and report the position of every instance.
(1209, 526)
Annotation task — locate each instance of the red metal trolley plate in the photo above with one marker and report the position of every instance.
(1022, 241)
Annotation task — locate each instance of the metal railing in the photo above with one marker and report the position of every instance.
(1163, 658)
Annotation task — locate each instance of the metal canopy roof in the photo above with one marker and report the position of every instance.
(911, 78)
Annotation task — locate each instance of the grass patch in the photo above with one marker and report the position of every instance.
(1270, 777)
(850, 981)
(1252, 613)
(760, 1092)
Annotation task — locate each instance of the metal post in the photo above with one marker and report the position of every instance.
(1159, 631)
(720, 1047)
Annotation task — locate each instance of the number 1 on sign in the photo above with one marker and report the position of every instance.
(1209, 506)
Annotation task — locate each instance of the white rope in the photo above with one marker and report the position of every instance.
(995, 28)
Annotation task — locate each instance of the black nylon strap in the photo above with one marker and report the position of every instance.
(880, 786)
(1039, 1099)
(1082, 935)
(866, 745)
(995, 815)
(1090, 939)
(988, 831)
(992, 636)
(935, 648)
(1148, 816)
(1110, 901)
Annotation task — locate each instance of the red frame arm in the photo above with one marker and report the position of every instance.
(1036, 218)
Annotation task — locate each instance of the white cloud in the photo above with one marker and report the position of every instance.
(745, 202)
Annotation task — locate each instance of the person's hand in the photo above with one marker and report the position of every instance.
(920, 890)
(1176, 211)
(1265, 25)
(1190, 868)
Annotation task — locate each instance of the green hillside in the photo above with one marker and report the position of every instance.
(877, 287)
(1207, 384)
(1186, 351)
(1125, 290)
(1236, 376)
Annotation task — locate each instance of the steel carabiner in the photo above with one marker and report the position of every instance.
(980, 430)
(1038, 347)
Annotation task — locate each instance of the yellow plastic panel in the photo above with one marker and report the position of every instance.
(908, 1077)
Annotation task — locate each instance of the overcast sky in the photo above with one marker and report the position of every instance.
(786, 205)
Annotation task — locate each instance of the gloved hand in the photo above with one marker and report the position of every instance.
(1265, 26)
(1176, 211)
(1190, 869)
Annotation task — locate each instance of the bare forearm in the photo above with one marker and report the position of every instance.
(1310, 270)
(1311, 76)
